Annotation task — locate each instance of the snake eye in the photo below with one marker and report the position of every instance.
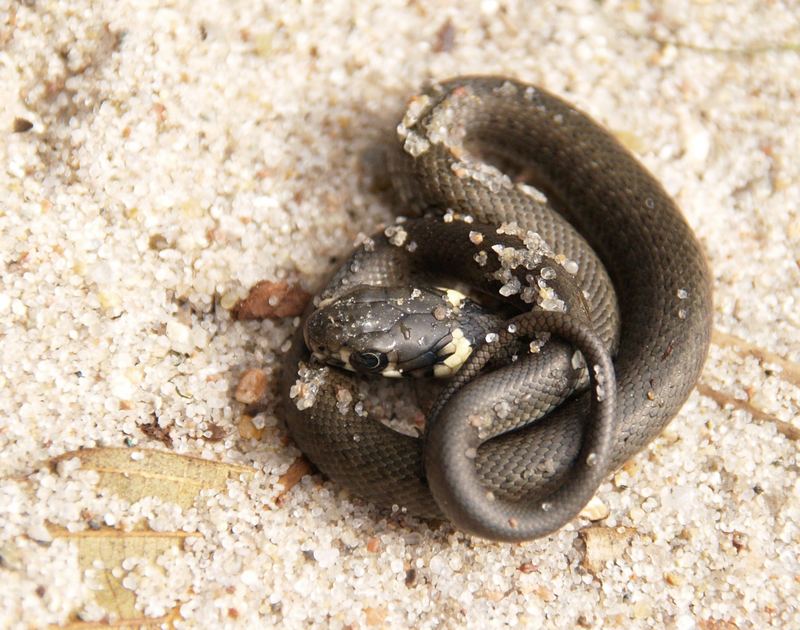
(368, 361)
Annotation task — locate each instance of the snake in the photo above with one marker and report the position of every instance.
(604, 297)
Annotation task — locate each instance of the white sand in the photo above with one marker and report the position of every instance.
(180, 154)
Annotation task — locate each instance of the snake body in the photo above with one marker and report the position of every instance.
(605, 216)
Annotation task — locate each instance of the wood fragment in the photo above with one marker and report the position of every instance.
(299, 469)
(604, 544)
(445, 37)
(716, 624)
(155, 431)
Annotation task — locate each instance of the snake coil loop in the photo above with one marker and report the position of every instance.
(597, 220)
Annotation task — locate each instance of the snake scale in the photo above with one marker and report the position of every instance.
(608, 224)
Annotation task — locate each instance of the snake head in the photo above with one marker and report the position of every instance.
(391, 331)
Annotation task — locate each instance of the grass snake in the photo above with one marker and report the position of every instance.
(590, 249)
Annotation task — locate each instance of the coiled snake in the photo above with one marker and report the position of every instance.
(513, 452)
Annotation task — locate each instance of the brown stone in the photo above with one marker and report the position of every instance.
(252, 386)
(272, 300)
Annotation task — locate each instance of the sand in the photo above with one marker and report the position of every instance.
(160, 159)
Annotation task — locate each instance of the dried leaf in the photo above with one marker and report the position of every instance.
(111, 547)
(135, 473)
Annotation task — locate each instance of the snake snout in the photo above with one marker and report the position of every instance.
(314, 335)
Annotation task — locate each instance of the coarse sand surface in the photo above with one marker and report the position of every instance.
(160, 159)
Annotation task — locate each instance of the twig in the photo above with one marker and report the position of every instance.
(735, 51)
(789, 370)
(745, 51)
(722, 399)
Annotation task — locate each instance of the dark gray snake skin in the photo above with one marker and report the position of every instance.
(530, 481)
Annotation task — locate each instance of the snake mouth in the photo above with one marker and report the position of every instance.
(329, 360)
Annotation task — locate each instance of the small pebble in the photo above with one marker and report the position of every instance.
(248, 430)
(272, 300)
(252, 386)
(375, 616)
(595, 510)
